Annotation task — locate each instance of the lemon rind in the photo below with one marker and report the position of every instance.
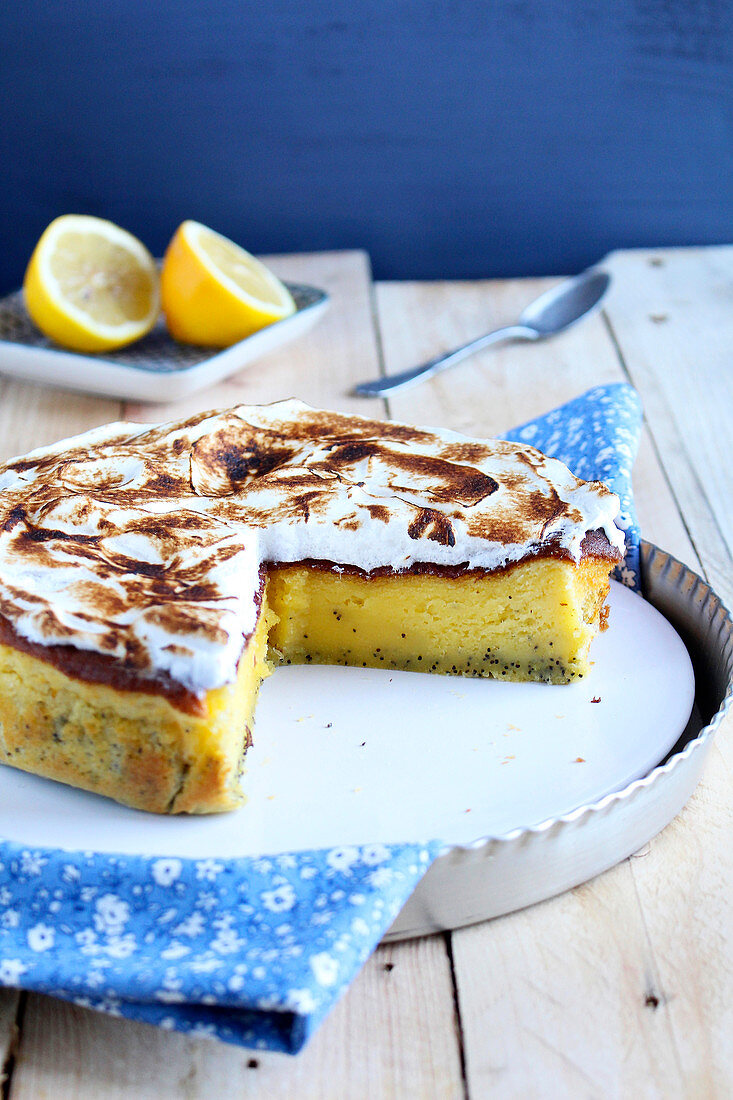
(191, 230)
(49, 287)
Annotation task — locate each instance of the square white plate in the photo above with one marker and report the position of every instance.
(156, 368)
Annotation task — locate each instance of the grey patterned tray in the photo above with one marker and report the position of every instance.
(155, 368)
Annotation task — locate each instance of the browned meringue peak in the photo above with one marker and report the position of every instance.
(146, 544)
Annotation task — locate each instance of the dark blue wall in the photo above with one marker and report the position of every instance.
(447, 137)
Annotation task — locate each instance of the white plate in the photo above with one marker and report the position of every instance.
(346, 756)
(156, 368)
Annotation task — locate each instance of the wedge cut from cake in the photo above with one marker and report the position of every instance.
(150, 577)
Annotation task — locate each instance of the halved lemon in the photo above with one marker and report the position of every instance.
(90, 285)
(215, 293)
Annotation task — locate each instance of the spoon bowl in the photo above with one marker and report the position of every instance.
(561, 306)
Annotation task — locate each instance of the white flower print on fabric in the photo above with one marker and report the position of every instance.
(227, 942)
(381, 877)
(191, 926)
(11, 971)
(206, 966)
(166, 871)
(325, 968)
(175, 951)
(208, 869)
(342, 858)
(170, 996)
(111, 914)
(86, 939)
(374, 853)
(205, 941)
(31, 863)
(301, 1000)
(279, 900)
(206, 899)
(41, 937)
(108, 936)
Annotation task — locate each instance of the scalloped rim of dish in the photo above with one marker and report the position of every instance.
(484, 865)
(654, 776)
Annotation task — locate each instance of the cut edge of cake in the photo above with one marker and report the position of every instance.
(83, 718)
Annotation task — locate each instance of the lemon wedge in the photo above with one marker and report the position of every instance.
(90, 285)
(215, 293)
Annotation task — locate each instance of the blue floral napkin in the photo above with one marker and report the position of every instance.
(253, 951)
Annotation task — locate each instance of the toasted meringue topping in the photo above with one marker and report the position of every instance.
(147, 544)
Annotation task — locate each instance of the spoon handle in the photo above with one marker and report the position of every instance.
(442, 362)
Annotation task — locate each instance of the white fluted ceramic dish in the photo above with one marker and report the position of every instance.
(156, 368)
(500, 874)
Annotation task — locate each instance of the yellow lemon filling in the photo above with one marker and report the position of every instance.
(533, 622)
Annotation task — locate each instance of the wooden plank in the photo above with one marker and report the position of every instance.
(500, 386)
(557, 999)
(9, 1001)
(670, 312)
(392, 1035)
(670, 315)
(559, 992)
(394, 1031)
(33, 415)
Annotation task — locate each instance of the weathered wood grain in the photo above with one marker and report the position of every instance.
(33, 415)
(557, 1000)
(9, 1000)
(583, 991)
(671, 313)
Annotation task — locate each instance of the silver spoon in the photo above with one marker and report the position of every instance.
(552, 312)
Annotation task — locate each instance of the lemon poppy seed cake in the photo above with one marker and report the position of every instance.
(150, 577)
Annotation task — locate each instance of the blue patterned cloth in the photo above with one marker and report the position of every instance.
(253, 951)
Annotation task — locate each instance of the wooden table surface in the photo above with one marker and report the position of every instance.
(620, 988)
